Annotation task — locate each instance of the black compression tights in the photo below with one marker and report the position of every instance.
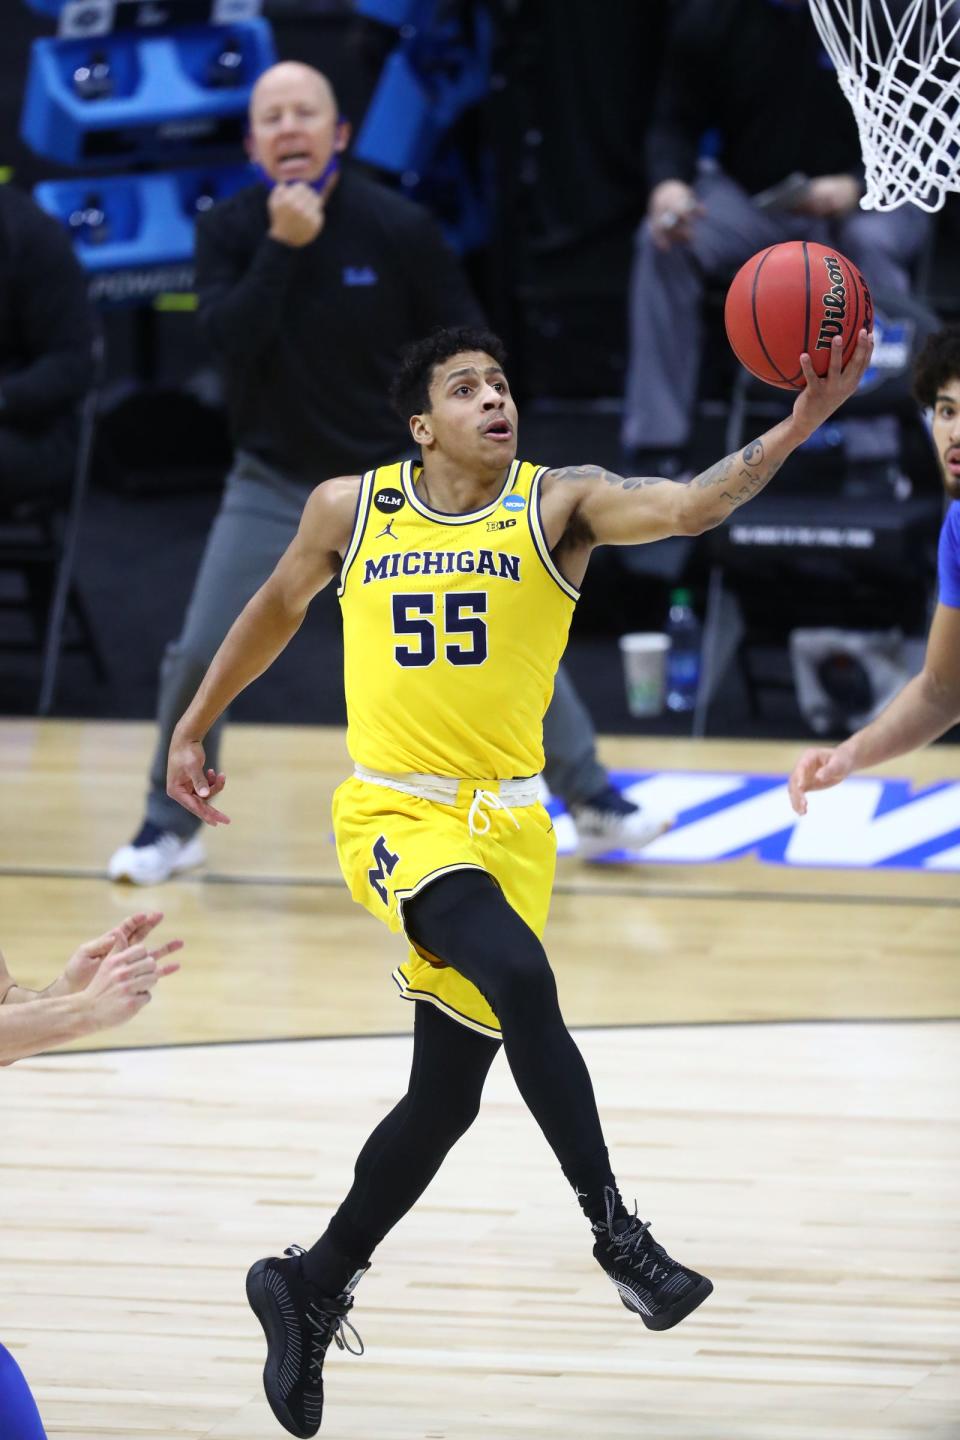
(464, 919)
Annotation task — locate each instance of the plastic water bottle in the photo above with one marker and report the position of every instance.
(205, 197)
(94, 80)
(683, 657)
(226, 69)
(88, 222)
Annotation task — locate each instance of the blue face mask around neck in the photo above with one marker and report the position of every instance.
(332, 167)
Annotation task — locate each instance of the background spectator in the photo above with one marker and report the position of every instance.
(46, 341)
(754, 74)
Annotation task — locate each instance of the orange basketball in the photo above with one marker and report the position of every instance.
(792, 298)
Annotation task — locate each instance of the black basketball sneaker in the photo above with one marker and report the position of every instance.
(651, 1284)
(299, 1324)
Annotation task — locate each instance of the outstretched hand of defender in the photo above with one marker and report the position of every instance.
(193, 786)
(817, 769)
(124, 981)
(127, 935)
(824, 394)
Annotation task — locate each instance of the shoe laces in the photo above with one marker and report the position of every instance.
(611, 805)
(167, 842)
(633, 1240)
(327, 1319)
(327, 1323)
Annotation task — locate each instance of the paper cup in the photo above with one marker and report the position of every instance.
(645, 672)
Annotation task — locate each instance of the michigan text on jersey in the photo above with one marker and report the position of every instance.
(443, 562)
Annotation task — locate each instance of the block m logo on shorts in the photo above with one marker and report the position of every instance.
(386, 863)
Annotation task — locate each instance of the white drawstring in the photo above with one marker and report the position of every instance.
(477, 813)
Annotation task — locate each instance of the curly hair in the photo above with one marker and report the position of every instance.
(410, 387)
(936, 364)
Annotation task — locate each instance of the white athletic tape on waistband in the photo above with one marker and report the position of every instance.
(444, 789)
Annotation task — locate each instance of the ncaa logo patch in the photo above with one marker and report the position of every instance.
(514, 502)
(389, 501)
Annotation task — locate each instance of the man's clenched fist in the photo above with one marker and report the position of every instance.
(296, 214)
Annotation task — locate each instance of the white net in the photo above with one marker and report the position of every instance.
(898, 63)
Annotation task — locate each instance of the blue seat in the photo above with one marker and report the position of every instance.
(159, 101)
(122, 222)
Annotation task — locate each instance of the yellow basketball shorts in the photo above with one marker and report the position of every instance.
(391, 845)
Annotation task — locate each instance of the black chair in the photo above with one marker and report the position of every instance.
(39, 540)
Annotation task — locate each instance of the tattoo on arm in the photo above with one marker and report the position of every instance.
(590, 472)
(579, 532)
(740, 476)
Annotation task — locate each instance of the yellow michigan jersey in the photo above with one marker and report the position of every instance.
(453, 629)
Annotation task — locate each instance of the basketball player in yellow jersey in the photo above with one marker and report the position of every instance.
(458, 578)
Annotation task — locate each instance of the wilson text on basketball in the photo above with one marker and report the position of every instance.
(834, 304)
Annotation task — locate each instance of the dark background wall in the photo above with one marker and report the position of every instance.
(561, 141)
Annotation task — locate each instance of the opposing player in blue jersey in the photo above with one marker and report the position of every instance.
(927, 706)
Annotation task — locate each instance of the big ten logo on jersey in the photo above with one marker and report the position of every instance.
(500, 524)
(386, 864)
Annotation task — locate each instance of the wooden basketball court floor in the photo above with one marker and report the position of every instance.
(776, 1059)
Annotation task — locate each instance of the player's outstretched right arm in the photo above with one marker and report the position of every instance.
(613, 510)
(263, 628)
(925, 708)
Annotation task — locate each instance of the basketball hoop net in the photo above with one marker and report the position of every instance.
(898, 63)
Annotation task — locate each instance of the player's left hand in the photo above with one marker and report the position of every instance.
(817, 769)
(824, 394)
(191, 784)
